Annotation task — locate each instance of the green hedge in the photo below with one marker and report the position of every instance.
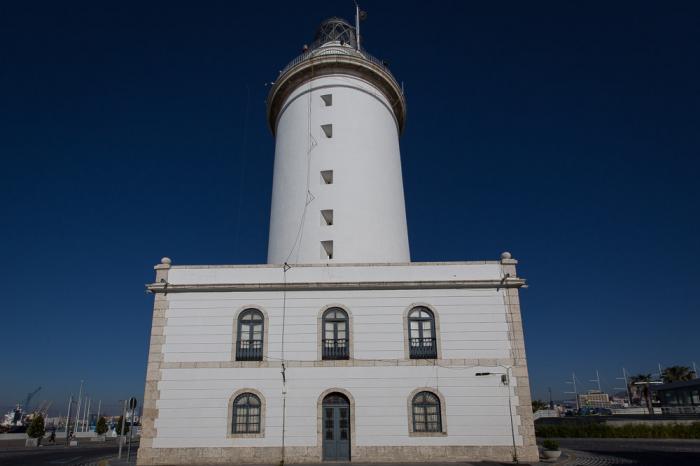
(583, 430)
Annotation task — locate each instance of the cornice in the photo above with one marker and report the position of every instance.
(165, 287)
(329, 64)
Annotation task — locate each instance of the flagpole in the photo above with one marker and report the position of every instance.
(357, 25)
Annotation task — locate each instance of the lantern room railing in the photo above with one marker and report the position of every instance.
(341, 50)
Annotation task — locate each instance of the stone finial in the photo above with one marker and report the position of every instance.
(507, 259)
(164, 265)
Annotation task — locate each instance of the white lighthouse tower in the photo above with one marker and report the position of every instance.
(337, 114)
(339, 348)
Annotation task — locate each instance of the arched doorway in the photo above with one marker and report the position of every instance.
(336, 427)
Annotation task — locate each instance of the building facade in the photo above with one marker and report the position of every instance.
(594, 399)
(340, 348)
(682, 397)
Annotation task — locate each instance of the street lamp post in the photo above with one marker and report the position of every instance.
(122, 437)
(505, 380)
(132, 406)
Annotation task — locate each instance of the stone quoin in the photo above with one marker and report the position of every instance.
(339, 348)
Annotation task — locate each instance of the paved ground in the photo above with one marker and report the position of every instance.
(577, 452)
(87, 453)
(640, 452)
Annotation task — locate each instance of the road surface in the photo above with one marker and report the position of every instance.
(56, 455)
(640, 452)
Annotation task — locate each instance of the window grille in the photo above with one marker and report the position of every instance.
(426, 413)
(246, 414)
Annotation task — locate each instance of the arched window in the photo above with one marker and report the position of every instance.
(335, 334)
(246, 414)
(421, 334)
(249, 346)
(426, 413)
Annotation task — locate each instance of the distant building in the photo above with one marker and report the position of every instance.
(594, 399)
(679, 397)
(618, 401)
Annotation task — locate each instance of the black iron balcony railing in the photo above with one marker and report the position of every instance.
(338, 50)
(249, 350)
(423, 348)
(336, 349)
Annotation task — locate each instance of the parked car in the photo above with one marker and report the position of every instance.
(587, 411)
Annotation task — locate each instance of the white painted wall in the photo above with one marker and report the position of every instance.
(332, 273)
(194, 403)
(472, 323)
(367, 192)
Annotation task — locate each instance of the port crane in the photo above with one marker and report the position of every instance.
(30, 395)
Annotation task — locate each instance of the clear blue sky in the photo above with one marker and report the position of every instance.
(564, 132)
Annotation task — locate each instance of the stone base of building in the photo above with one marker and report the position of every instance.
(378, 454)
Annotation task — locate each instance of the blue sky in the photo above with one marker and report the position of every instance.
(564, 132)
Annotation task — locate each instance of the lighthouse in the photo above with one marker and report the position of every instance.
(337, 113)
(339, 348)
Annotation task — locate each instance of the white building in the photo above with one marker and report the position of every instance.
(339, 348)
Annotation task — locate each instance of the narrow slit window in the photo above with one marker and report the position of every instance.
(327, 130)
(327, 99)
(327, 217)
(327, 177)
(327, 250)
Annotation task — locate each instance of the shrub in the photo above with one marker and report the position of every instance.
(538, 405)
(600, 430)
(118, 427)
(101, 426)
(36, 428)
(551, 445)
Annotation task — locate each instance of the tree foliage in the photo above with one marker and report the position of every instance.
(101, 426)
(36, 429)
(677, 374)
(118, 427)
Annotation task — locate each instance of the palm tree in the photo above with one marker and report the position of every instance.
(640, 383)
(677, 374)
